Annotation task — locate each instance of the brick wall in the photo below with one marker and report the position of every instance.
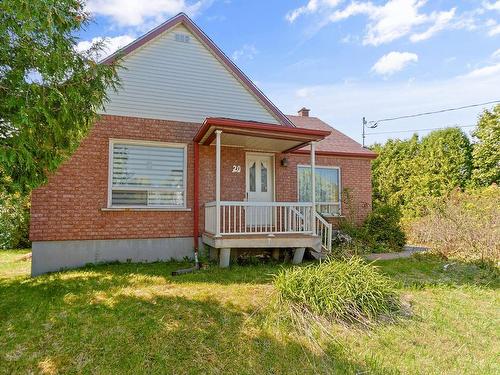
(70, 205)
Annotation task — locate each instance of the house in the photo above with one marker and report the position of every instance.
(189, 152)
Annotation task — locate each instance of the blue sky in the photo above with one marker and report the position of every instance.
(342, 59)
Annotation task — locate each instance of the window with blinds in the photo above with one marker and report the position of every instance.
(327, 188)
(147, 175)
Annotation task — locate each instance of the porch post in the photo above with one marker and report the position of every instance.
(313, 187)
(217, 182)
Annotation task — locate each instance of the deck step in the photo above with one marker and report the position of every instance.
(318, 254)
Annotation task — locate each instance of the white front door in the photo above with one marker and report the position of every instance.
(259, 188)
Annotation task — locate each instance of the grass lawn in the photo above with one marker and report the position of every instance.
(136, 318)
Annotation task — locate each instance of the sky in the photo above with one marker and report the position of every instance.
(344, 60)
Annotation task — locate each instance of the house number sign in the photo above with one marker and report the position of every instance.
(236, 168)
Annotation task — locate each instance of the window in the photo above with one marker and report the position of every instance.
(147, 174)
(327, 188)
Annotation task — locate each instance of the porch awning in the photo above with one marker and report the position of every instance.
(257, 135)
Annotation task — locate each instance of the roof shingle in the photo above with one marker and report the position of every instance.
(336, 143)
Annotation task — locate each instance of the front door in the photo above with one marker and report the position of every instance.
(259, 188)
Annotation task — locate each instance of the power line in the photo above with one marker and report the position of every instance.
(374, 124)
(415, 130)
(439, 111)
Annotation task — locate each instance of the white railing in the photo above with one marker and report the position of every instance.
(324, 231)
(210, 215)
(238, 218)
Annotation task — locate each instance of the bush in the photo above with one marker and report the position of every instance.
(465, 225)
(383, 229)
(14, 221)
(351, 291)
(381, 232)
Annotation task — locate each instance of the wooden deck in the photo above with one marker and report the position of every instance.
(258, 240)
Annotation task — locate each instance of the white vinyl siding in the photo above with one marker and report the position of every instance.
(176, 80)
(328, 189)
(147, 174)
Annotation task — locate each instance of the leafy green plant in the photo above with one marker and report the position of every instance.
(486, 149)
(409, 173)
(50, 90)
(382, 228)
(350, 291)
(14, 221)
(381, 232)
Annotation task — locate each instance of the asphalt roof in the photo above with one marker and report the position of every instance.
(336, 143)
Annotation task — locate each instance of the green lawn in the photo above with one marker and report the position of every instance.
(138, 319)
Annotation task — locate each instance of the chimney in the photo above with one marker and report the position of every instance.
(304, 112)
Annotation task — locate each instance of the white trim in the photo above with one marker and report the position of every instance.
(217, 180)
(110, 206)
(173, 209)
(340, 185)
(273, 162)
(313, 186)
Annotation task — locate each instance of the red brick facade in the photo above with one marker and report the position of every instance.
(70, 206)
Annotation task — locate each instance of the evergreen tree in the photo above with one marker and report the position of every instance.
(486, 149)
(49, 92)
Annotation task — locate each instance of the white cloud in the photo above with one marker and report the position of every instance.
(312, 6)
(248, 51)
(111, 44)
(494, 5)
(138, 12)
(442, 21)
(486, 71)
(496, 54)
(387, 22)
(393, 62)
(495, 30)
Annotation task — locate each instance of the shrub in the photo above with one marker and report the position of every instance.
(383, 229)
(14, 221)
(465, 225)
(350, 291)
(381, 232)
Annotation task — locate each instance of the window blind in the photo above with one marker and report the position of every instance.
(148, 175)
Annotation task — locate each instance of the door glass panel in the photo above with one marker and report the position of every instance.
(251, 176)
(263, 178)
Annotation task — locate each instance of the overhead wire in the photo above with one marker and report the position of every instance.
(435, 112)
(417, 130)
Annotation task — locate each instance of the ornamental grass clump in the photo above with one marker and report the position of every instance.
(349, 291)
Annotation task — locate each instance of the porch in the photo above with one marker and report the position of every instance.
(259, 221)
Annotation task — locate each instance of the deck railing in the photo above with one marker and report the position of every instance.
(324, 231)
(239, 218)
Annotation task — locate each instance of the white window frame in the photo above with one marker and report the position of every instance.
(323, 203)
(112, 142)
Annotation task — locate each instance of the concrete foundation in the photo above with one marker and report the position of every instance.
(298, 255)
(50, 256)
(224, 257)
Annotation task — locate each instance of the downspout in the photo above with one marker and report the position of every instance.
(196, 213)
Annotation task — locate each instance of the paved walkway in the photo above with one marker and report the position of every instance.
(408, 251)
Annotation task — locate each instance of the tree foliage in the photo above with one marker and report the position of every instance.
(14, 220)
(409, 173)
(49, 92)
(486, 151)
